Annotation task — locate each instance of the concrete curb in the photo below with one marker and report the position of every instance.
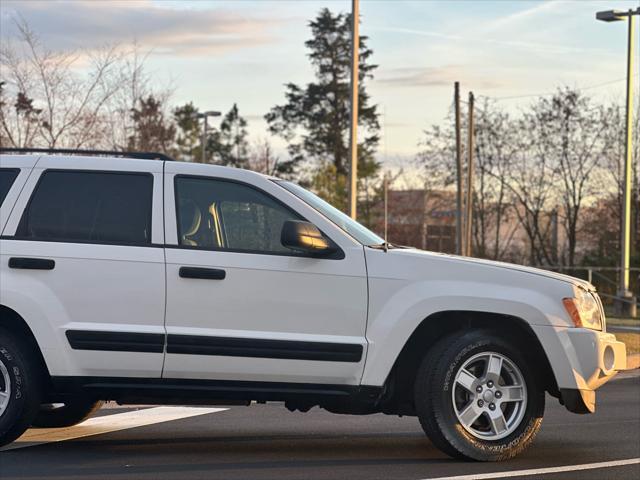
(633, 361)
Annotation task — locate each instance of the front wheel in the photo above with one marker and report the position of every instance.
(477, 398)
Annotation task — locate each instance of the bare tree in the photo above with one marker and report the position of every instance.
(70, 106)
(135, 84)
(262, 158)
(610, 174)
(496, 147)
(568, 131)
(531, 183)
(19, 121)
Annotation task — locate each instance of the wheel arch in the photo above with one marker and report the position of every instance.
(400, 381)
(16, 324)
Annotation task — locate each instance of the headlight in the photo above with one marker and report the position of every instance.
(584, 311)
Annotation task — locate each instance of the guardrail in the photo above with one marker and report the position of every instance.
(605, 280)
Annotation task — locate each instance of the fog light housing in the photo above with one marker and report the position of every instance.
(608, 358)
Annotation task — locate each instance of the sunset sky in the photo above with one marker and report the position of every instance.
(215, 53)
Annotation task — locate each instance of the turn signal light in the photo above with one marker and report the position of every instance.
(584, 311)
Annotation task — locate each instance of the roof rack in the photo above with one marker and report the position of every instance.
(94, 153)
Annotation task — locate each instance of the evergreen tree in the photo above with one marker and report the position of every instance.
(189, 138)
(229, 145)
(152, 131)
(315, 118)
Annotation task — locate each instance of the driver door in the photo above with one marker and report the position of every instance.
(240, 306)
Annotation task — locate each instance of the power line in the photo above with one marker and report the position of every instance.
(546, 94)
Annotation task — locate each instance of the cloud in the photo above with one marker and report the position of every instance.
(522, 15)
(436, 76)
(539, 47)
(172, 31)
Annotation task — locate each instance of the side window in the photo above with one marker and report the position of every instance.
(82, 206)
(227, 215)
(7, 177)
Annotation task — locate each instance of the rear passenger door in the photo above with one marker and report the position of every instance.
(85, 240)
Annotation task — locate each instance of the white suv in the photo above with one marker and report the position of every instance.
(161, 282)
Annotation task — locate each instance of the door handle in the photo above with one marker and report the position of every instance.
(202, 273)
(27, 263)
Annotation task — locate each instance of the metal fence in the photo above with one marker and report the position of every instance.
(605, 279)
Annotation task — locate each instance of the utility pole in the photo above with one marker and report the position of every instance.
(386, 208)
(353, 133)
(554, 235)
(459, 246)
(469, 205)
(626, 302)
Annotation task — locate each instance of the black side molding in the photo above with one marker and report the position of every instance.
(202, 273)
(116, 341)
(27, 263)
(214, 346)
(262, 348)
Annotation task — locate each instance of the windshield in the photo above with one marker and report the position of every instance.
(346, 223)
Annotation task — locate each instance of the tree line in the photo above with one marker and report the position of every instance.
(554, 171)
(541, 169)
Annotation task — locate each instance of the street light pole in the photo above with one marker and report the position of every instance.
(203, 153)
(203, 141)
(353, 133)
(626, 304)
(626, 201)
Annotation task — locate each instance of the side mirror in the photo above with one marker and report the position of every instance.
(306, 238)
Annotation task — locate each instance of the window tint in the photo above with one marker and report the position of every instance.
(227, 215)
(90, 207)
(7, 177)
(346, 223)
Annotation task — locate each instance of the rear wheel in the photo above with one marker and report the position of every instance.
(20, 387)
(477, 398)
(66, 414)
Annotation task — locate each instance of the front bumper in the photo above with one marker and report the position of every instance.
(595, 357)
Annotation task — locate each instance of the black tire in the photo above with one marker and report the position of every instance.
(68, 414)
(435, 405)
(24, 385)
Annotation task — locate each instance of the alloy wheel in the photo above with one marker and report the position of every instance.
(489, 396)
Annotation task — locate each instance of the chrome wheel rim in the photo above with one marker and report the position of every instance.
(489, 396)
(5, 388)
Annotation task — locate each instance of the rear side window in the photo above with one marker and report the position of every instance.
(94, 207)
(7, 177)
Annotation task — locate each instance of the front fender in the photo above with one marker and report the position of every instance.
(393, 318)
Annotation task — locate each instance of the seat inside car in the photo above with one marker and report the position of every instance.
(190, 219)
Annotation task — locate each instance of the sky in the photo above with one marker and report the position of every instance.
(216, 53)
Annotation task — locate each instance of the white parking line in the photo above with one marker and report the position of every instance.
(542, 471)
(106, 424)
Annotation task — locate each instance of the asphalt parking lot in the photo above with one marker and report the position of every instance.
(268, 442)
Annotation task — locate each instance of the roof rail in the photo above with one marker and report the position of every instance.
(96, 153)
